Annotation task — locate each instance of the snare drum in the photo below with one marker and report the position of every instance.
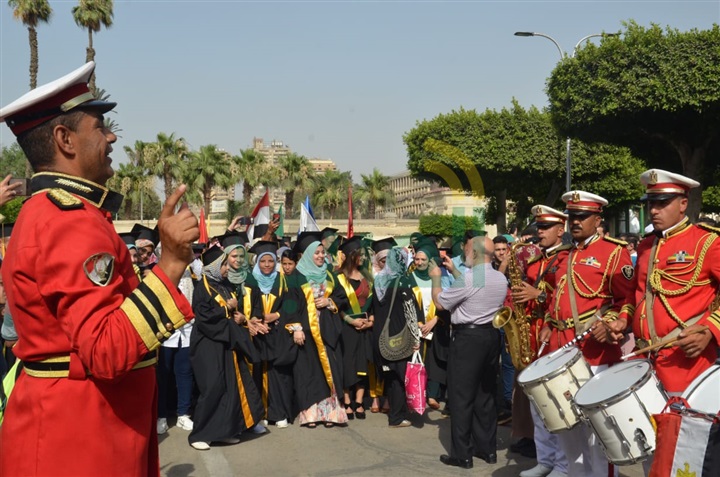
(618, 404)
(703, 393)
(551, 382)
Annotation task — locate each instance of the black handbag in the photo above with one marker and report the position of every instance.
(399, 346)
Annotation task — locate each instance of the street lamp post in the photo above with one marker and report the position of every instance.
(563, 55)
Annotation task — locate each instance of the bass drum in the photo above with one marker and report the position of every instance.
(703, 393)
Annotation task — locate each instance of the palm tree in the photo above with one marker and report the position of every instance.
(331, 190)
(297, 176)
(166, 158)
(110, 123)
(251, 165)
(31, 13)
(208, 168)
(93, 15)
(375, 190)
(132, 182)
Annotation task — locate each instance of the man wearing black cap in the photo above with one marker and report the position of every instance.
(88, 330)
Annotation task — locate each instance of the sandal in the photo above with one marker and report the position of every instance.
(328, 425)
(359, 414)
(310, 425)
(349, 410)
(433, 404)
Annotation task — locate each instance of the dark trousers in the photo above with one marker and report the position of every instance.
(395, 392)
(280, 392)
(174, 361)
(472, 389)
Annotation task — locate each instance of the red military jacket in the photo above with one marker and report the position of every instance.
(684, 282)
(86, 402)
(545, 267)
(602, 281)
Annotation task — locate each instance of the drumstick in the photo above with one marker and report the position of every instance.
(661, 344)
(578, 338)
(542, 347)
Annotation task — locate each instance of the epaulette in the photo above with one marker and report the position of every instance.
(615, 241)
(64, 200)
(562, 248)
(709, 228)
(534, 259)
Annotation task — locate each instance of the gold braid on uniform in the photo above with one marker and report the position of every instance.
(658, 275)
(595, 293)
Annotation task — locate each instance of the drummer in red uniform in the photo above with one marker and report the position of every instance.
(678, 271)
(537, 291)
(88, 330)
(593, 287)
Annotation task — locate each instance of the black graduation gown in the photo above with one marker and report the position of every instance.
(319, 362)
(356, 345)
(229, 401)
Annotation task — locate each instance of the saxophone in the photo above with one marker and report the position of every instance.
(513, 320)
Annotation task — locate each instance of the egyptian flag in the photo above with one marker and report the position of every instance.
(260, 219)
(688, 445)
(203, 228)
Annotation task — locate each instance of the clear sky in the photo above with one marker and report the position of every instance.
(340, 80)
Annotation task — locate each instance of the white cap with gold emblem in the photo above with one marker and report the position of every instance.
(547, 215)
(53, 99)
(579, 201)
(663, 185)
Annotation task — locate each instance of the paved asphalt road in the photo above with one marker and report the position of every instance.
(363, 448)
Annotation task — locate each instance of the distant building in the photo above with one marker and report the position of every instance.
(416, 197)
(321, 166)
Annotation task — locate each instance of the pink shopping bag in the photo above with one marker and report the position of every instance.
(415, 384)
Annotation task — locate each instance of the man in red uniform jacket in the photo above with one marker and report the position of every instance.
(537, 292)
(678, 271)
(594, 285)
(85, 404)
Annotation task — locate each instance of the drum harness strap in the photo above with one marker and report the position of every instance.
(649, 302)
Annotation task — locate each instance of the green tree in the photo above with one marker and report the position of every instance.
(374, 191)
(132, 181)
(93, 15)
(208, 168)
(331, 191)
(655, 91)
(297, 175)
(110, 123)
(31, 13)
(251, 165)
(12, 161)
(166, 159)
(448, 225)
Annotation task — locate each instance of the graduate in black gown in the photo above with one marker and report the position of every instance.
(393, 279)
(356, 331)
(278, 352)
(318, 368)
(220, 346)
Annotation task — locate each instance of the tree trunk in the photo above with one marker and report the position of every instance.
(371, 209)
(289, 199)
(247, 195)
(207, 196)
(692, 159)
(501, 204)
(168, 184)
(90, 56)
(33, 57)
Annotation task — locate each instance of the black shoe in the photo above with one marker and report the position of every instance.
(359, 414)
(521, 445)
(489, 458)
(446, 411)
(455, 462)
(504, 417)
(529, 451)
(350, 411)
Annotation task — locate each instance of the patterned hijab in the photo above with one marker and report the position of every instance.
(307, 266)
(265, 282)
(212, 270)
(238, 277)
(394, 268)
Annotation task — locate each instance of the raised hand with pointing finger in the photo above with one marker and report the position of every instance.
(178, 230)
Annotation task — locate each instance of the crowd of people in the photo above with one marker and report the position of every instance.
(259, 331)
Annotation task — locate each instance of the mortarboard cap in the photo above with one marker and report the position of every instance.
(211, 254)
(349, 245)
(264, 246)
(305, 239)
(146, 233)
(129, 239)
(232, 237)
(53, 99)
(383, 244)
(327, 232)
(198, 247)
